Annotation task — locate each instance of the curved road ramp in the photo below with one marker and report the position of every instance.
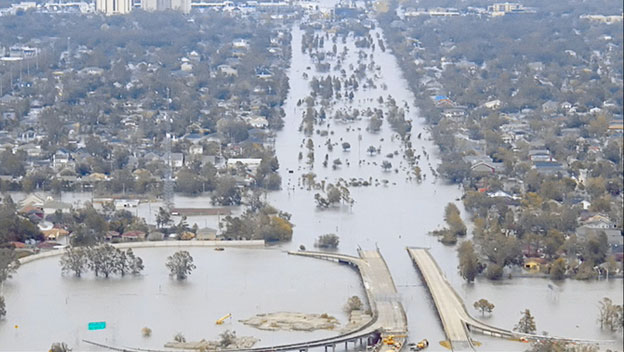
(455, 319)
(389, 322)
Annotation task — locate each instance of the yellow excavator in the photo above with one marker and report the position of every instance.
(221, 320)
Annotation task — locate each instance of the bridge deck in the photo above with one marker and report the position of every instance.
(455, 318)
(449, 306)
(389, 317)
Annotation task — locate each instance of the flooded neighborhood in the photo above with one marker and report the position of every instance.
(340, 219)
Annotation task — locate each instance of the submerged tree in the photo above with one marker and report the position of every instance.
(468, 261)
(8, 263)
(2, 307)
(353, 303)
(74, 260)
(484, 306)
(526, 324)
(329, 240)
(60, 347)
(180, 265)
(611, 315)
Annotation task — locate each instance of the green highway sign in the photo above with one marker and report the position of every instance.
(97, 325)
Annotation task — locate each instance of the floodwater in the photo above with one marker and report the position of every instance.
(246, 282)
(47, 307)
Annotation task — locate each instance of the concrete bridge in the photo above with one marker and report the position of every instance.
(455, 319)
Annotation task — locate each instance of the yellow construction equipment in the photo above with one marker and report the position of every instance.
(389, 340)
(222, 319)
(421, 345)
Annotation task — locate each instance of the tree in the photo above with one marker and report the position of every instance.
(75, 260)
(386, 165)
(60, 347)
(558, 269)
(135, 264)
(611, 315)
(102, 259)
(180, 265)
(8, 263)
(163, 218)
(227, 338)
(374, 124)
(146, 332)
(548, 345)
(2, 307)
(226, 192)
(454, 221)
(329, 240)
(353, 303)
(526, 325)
(484, 306)
(468, 261)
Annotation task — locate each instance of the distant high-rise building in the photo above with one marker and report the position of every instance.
(161, 5)
(114, 7)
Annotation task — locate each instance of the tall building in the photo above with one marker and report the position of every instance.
(114, 7)
(183, 6)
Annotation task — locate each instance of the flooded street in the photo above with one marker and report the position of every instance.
(388, 215)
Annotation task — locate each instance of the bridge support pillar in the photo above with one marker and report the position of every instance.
(334, 348)
(346, 345)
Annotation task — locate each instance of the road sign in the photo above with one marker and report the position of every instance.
(97, 325)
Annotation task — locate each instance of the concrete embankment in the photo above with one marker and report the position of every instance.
(157, 244)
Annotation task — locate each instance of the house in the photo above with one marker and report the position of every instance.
(258, 122)
(250, 163)
(547, 167)
(177, 159)
(196, 149)
(540, 155)
(34, 199)
(133, 236)
(443, 101)
(60, 158)
(240, 44)
(493, 104)
(599, 222)
(54, 234)
(51, 206)
(32, 150)
(484, 168)
(206, 233)
(227, 70)
(534, 264)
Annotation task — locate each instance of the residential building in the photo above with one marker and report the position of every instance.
(114, 7)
